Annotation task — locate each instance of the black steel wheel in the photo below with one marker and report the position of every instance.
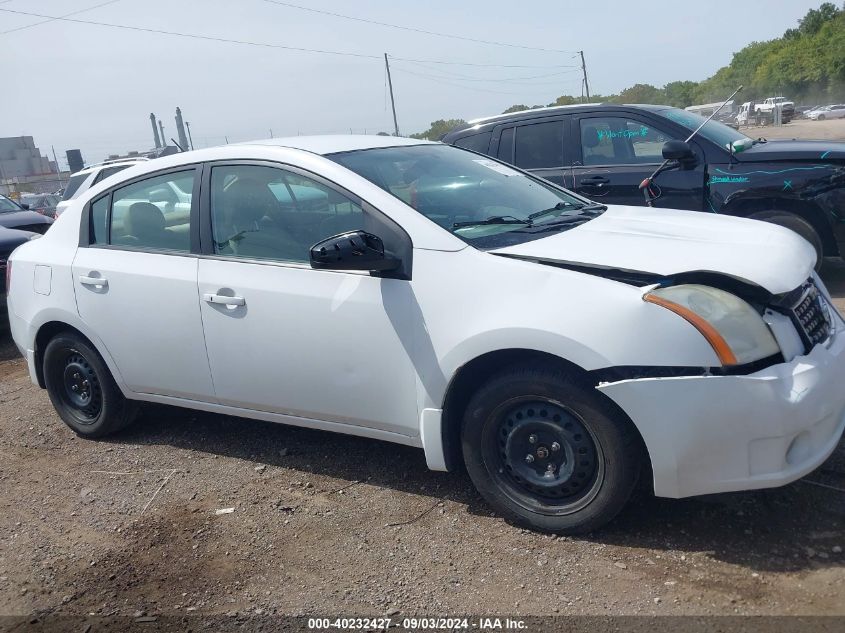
(550, 452)
(82, 388)
(82, 392)
(543, 455)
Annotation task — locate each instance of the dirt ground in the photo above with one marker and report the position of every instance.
(329, 524)
(800, 128)
(323, 524)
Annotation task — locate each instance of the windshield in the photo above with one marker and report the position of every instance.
(714, 131)
(7, 205)
(482, 201)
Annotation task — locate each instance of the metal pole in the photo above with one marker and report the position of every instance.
(584, 70)
(58, 167)
(392, 102)
(190, 140)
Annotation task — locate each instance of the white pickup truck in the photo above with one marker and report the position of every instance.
(767, 108)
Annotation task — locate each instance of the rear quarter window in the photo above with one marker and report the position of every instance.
(73, 185)
(476, 142)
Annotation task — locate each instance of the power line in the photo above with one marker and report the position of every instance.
(479, 65)
(516, 80)
(211, 38)
(414, 29)
(29, 26)
(449, 83)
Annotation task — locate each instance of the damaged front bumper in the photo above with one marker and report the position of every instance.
(709, 434)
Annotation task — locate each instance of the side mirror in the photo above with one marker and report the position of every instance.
(354, 250)
(677, 150)
(24, 205)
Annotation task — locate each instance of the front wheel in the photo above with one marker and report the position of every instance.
(820, 117)
(548, 453)
(82, 389)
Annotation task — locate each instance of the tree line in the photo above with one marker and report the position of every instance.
(806, 64)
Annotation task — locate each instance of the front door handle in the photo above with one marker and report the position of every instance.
(97, 282)
(223, 300)
(594, 180)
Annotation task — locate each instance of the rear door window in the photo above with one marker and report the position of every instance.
(152, 213)
(539, 145)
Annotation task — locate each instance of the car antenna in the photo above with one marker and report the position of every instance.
(181, 149)
(645, 185)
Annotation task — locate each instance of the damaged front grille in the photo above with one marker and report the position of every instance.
(809, 312)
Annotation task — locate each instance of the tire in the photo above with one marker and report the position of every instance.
(799, 225)
(82, 388)
(564, 427)
(820, 117)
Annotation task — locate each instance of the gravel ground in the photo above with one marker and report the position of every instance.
(800, 128)
(328, 524)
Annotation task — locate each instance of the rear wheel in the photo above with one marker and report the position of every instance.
(82, 389)
(797, 224)
(548, 453)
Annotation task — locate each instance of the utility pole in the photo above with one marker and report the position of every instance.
(584, 70)
(392, 102)
(271, 132)
(190, 140)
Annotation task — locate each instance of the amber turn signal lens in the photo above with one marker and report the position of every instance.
(719, 344)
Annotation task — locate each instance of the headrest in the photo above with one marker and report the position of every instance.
(143, 218)
(589, 136)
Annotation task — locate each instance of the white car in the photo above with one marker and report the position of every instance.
(836, 111)
(423, 294)
(84, 179)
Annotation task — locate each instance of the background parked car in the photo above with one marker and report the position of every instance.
(835, 111)
(43, 203)
(10, 239)
(14, 216)
(84, 179)
(604, 152)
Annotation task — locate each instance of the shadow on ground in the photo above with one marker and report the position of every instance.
(785, 529)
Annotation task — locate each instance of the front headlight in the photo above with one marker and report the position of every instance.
(733, 328)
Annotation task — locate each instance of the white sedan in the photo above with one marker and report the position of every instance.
(423, 294)
(836, 111)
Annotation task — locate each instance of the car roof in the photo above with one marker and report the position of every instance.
(334, 143)
(543, 112)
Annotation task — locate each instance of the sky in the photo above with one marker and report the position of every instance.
(88, 86)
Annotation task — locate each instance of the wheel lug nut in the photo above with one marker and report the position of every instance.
(529, 458)
(555, 446)
(532, 438)
(75, 388)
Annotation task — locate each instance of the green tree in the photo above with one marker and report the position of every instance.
(438, 128)
(640, 93)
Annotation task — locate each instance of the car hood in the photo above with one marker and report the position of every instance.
(667, 242)
(14, 219)
(816, 151)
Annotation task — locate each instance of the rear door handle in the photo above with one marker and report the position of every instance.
(97, 282)
(594, 180)
(223, 300)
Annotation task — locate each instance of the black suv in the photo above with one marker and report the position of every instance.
(604, 151)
